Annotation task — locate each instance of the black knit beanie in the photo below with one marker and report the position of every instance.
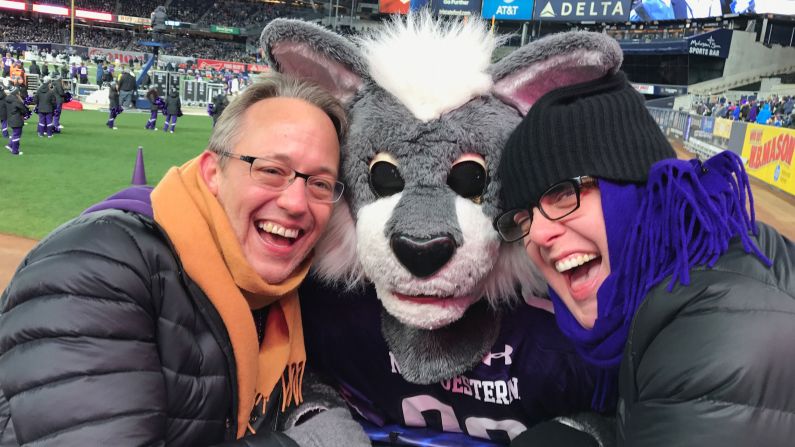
(599, 128)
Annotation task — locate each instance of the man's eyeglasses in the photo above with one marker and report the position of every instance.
(557, 202)
(274, 175)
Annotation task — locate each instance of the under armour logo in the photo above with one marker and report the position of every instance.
(499, 355)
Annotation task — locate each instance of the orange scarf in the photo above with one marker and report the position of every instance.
(211, 255)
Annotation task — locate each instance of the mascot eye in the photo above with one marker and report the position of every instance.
(385, 178)
(468, 177)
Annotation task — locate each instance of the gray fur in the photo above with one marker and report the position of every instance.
(601, 427)
(556, 44)
(324, 57)
(427, 357)
(425, 152)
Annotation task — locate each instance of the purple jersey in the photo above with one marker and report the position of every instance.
(531, 374)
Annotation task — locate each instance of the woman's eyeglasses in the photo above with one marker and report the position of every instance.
(557, 202)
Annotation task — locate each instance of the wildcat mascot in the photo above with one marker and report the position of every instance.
(416, 312)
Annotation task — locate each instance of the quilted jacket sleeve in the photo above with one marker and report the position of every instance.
(717, 371)
(78, 360)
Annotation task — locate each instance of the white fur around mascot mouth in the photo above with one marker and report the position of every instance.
(441, 299)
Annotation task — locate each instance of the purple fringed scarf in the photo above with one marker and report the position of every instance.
(684, 216)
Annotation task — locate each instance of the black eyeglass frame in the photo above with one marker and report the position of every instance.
(577, 183)
(339, 187)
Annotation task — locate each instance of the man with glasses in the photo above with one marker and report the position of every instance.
(171, 316)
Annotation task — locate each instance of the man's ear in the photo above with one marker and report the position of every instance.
(210, 170)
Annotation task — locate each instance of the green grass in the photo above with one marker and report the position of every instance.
(56, 179)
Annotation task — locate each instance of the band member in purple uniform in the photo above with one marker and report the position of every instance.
(17, 113)
(173, 110)
(45, 105)
(154, 107)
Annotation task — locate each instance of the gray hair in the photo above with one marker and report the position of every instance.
(273, 85)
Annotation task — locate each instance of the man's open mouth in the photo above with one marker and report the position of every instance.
(278, 235)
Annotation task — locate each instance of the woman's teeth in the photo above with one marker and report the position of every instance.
(270, 227)
(574, 261)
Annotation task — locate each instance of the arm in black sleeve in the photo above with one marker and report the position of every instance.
(78, 359)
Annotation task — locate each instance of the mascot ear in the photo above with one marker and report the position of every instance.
(527, 74)
(307, 51)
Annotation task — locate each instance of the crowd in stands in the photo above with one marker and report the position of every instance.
(102, 37)
(138, 8)
(189, 10)
(246, 13)
(190, 46)
(772, 111)
(16, 29)
(93, 5)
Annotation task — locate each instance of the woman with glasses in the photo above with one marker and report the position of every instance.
(657, 271)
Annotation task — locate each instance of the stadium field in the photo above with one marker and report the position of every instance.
(56, 179)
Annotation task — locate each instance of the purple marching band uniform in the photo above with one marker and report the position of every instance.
(156, 104)
(18, 112)
(173, 110)
(45, 107)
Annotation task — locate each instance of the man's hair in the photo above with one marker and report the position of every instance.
(273, 85)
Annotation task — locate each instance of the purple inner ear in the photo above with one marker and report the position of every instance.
(523, 88)
(300, 61)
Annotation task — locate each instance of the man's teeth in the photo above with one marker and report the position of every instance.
(270, 227)
(574, 261)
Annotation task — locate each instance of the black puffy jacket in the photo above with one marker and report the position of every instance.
(45, 99)
(173, 104)
(104, 340)
(713, 363)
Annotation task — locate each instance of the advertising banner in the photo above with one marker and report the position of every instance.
(723, 128)
(123, 56)
(656, 10)
(707, 124)
(133, 20)
(225, 29)
(714, 44)
(768, 152)
(393, 6)
(646, 89)
(582, 10)
(204, 64)
(258, 68)
(456, 7)
(781, 7)
(507, 9)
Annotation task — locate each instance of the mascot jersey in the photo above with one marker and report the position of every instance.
(531, 373)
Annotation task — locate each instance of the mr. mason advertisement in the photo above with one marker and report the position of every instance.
(768, 152)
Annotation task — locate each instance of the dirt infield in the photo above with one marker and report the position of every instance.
(12, 250)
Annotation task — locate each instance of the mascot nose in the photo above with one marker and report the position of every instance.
(423, 257)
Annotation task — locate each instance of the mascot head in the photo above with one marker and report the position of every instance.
(429, 117)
